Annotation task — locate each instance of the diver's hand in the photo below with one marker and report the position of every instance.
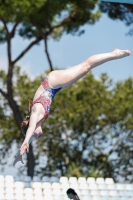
(24, 147)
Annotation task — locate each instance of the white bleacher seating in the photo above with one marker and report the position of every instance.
(129, 193)
(19, 184)
(87, 198)
(83, 186)
(73, 180)
(19, 190)
(56, 192)
(82, 180)
(55, 185)
(45, 179)
(63, 191)
(114, 198)
(74, 186)
(27, 179)
(9, 178)
(46, 185)
(2, 179)
(2, 184)
(105, 198)
(38, 197)
(28, 191)
(2, 196)
(94, 193)
(19, 197)
(122, 193)
(48, 197)
(95, 198)
(47, 191)
(85, 192)
(36, 179)
(63, 179)
(65, 186)
(90, 180)
(111, 187)
(27, 184)
(113, 193)
(109, 181)
(92, 186)
(9, 190)
(9, 184)
(54, 179)
(129, 186)
(102, 187)
(9, 196)
(120, 187)
(37, 191)
(57, 197)
(100, 180)
(103, 193)
(36, 185)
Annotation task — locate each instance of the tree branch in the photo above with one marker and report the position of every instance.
(13, 30)
(1, 18)
(24, 52)
(44, 36)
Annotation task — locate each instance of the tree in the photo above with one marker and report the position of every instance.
(123, 12)
(36, 21)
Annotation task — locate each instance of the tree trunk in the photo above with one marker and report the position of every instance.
(30, 162)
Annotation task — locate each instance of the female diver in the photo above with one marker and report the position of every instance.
(55, 81)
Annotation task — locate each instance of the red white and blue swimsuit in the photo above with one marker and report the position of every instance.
(46, 97)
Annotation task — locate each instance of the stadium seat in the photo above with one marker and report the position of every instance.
(113, 193)
(74, 186)
(19, 197)
(56, 192)
(54, 179)
(63, 179)
(90, 180)
(87, 198)
(65, 186)
(9, 178)
(9, 197)
(47, 192)
(120, 186)
(105, 198)
(2, 179)
(103, 193)
(109, 181)
(36, 185)
(2, 196)
(48, 197)
(27, 184)
(27, 179)
(92, 186)
(28, 191)
(95, 198)
(55, 185)
(85, 192)
(9, 190)
(37, 191)
(83, 186)
(19, 184)
(82, 180)
(73, 180)
(122, 193)
(46, 185)
(36, 179)
(100, 180)
(129, 186)
(111, 187)
(45, 179)
(102, 187)
(57, 197)
(19, 190)
(130, 193)
(9, 184)
(94, 193)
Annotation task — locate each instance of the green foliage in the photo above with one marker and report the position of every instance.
(115, 11)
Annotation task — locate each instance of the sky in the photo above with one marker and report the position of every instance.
(102, 37)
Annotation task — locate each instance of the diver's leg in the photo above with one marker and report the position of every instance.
(64, 78)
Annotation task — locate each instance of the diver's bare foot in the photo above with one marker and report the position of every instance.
(121, 53)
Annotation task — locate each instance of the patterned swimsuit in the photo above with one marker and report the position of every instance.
(46, 97)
